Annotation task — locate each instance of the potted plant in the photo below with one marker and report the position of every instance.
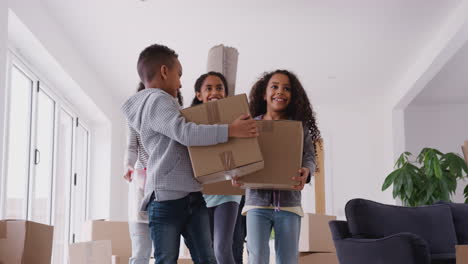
(431, 177)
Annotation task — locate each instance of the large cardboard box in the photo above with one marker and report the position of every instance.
(281, 143)
(222, 188)
(116, 232)
(120, 259)
(462, 254)
(315, 234)
(24, 242)
(93, 252)
(318, 258)
(238, 156)
(465, 150)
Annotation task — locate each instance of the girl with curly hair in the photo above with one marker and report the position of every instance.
(280, 95)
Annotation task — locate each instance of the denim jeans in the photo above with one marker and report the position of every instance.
(223, 221)
(287, 227)
(141, 243)
(188, 217)
(240, 233)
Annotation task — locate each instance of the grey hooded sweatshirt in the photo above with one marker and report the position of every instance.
(165, 135)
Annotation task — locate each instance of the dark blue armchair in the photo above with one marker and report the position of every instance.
(375, 233)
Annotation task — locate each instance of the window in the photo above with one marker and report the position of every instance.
(47, 158)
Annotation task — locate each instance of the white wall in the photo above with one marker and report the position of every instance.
(95, 102)
(354, 159)
(3, 49)
(443, 127)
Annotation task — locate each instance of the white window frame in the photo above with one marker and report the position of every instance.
(14, 59)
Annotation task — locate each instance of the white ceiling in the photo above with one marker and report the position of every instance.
(341, 50)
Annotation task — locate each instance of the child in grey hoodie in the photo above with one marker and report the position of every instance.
(172, 195)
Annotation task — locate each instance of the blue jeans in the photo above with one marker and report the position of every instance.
(287, 227)
(240, 233)
(223, 221)
(188, 217)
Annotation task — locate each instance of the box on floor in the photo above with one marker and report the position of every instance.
(116, 232)
(238, 156)
(25, 242)
(281, 143)
(93, 252)
(120, 259)
(462, 254)
(318, 258)
(315, 234)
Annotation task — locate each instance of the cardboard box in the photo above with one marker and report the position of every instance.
(281, 143)
(465, 151)
(318, 258)
(179, 261)
(25, 242)
(94, 252)
(120, 259)
(222, 188)
(462, 254)
(116, 232)
(238, 156)
(319, 178)
(315, 234)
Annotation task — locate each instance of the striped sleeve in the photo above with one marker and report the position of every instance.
(167, 120)
(131, 154)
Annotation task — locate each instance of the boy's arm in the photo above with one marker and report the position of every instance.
(161, 114)
(308, 157)
(131, 153)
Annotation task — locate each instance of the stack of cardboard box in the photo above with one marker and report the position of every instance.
(102, 242)
(25, 242)
(315, 241)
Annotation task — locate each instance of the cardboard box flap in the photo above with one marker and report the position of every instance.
(281, 143)
(210, 162)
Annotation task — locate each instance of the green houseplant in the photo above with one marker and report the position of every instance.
(431, 177)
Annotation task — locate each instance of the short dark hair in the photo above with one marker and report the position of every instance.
(152, 58)
(202, 78)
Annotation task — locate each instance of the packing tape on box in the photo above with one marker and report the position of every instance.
(266, 126)
(213, 113)
(227, 159)
(3, 229)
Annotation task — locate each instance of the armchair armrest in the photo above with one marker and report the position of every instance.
(401, 248)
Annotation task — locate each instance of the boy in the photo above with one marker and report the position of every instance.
(172, 195)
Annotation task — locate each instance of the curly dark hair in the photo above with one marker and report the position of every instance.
(180, 99)
(202, 78)
(298, 109)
